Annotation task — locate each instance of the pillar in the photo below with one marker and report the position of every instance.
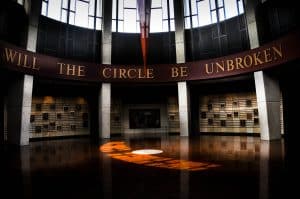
(267, 87)
(183, 92)
(105, 92)
(33, 9)
(184, 112)
(251, 22)
(20, 93)
(268, 103)
(104, 110)
(106, 32)
(19, 110)
(179, 31)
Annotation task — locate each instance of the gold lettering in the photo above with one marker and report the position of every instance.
(68, 69)
(277, 51)
(238, 62)
(22, 60)
(141, 73)
(256, 59)
(183, 71)
(219, 66)
(250, 61)
(206, 69)
(61, 68)
(81, 71)
(115, 73)
(267, 53)
(25, 62)
(130, 75)
(175, 72)
(150, 73)
(122, 73)
(34, 64)
(230, 65)
(71, 69)
(105, 75)
(19, 59)
(10, 57)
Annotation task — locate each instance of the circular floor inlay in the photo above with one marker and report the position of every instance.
(147, 151)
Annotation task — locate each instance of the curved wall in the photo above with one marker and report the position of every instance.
(66, 41)
(275, 19)
(220, 39)
(270, 55)
(126, 48)
(216, 40)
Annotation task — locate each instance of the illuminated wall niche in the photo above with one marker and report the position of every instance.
(58, 116)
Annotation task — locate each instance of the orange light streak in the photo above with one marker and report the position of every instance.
(118, 150)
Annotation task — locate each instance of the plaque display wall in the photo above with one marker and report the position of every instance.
(58, 116)
(232, 113)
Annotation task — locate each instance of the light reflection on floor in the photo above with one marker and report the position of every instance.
(75, 168)
(120, 151)
(147, 151)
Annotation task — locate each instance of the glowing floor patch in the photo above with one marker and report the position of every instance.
(147, 151)
(120, 151)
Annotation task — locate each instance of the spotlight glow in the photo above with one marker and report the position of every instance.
(120, 151)
(147, 151)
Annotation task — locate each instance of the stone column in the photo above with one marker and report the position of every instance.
(183, 93)
(184, 112)
(105, 93)
(251, 22)
(33, 10)
(104, 110)
(20, 93)
(19, 110)
(267, 87)
(268, 102)
(179, 31)
(106, 32)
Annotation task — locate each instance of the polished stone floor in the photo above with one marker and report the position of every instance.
(203, 167)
